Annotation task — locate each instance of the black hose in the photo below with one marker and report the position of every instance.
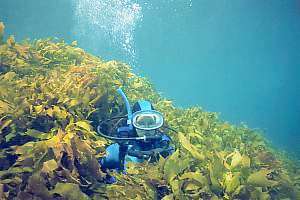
(117, 117)
(118, 138)
(127, 138)
(154, 137)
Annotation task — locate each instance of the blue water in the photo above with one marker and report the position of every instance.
(239, 58)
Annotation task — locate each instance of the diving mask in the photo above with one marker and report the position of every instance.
(147, 120)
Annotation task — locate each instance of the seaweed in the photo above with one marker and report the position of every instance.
(2, 27)
(53, 94)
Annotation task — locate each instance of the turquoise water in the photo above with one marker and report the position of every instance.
(239, 58)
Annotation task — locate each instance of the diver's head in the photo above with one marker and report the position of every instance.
(145, 119)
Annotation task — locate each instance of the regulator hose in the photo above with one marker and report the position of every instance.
(127, 138)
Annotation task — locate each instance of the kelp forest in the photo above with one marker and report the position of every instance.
(53, 95)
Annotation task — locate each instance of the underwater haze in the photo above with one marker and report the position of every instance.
(238, 58)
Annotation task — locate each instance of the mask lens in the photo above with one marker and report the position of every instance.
(147, 120)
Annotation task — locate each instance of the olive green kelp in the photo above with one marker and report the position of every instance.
(53, 94)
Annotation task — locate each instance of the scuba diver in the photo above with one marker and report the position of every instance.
(137, 139)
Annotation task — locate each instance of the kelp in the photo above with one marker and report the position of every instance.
(2, 27)
(52, 96)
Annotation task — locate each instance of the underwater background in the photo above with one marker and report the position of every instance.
(224, 75)
(238, 58)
